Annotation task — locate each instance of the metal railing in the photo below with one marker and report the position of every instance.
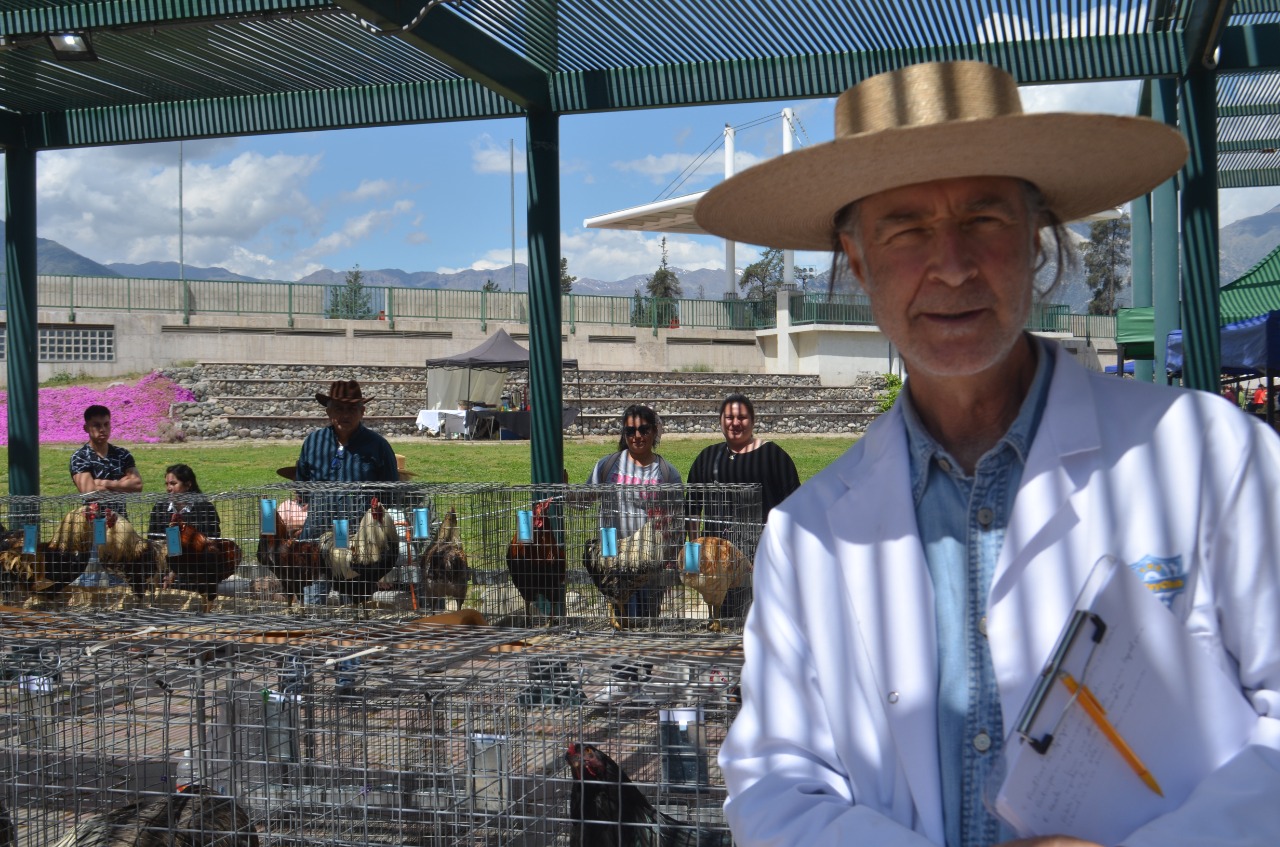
(290, 300)
(855, 310)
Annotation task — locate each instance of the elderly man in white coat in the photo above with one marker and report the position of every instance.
(908, 595)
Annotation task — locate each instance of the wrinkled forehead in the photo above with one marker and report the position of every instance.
(961, 195)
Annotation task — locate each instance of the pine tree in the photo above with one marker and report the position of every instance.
(490, 286)
(764, 277)
(566, 281)
(352, 301)
(663, 287)
(1106, 263)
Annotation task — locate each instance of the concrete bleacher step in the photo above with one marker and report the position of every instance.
(278, 401)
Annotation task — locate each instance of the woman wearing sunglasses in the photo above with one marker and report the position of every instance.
(636, 466)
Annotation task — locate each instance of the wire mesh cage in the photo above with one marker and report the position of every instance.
(660, 558)
(335, 732)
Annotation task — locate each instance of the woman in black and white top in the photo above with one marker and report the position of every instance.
(742, 458)
(634, 467)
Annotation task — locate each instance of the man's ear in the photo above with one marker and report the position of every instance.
(854, 255)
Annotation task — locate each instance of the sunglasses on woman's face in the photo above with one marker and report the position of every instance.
(629, 431)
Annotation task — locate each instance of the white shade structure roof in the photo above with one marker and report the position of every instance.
(671, 215)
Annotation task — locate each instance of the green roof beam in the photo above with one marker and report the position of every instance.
(1206, 21)
(1255, 47)
(270, 113)
(473, 54)
(125, 14)
(1069, 60)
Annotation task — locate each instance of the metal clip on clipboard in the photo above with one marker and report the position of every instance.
(1048, 676)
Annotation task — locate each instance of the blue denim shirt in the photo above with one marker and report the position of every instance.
(962, 522)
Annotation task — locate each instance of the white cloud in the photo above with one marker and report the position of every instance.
(1117, 97)
(662, 168)
(610, 254)
(492, 157)
(499, 257)
(115, 205)
(355, 230)
(369, 189)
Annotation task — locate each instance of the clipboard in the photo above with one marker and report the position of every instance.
(1163, 693)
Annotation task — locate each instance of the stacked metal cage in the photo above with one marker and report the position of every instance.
(333, 732)
(662, 558)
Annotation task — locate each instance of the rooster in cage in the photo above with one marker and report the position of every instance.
(721, 567)
(641, 558)
(295, 562)
(608, 810)
(203, 562)
(372, 551)
(538, 567)
(193, 817)
(444, 563)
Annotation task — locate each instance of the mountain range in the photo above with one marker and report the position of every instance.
(1243, 244)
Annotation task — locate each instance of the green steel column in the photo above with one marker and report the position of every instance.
(1200, 311)
(542, 131)
(1164, 238)
(22, 333)
(1140, 223)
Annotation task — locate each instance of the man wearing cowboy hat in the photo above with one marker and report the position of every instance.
(908, 596)
(345, 451)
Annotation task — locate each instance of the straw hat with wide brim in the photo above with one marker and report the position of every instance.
(940, 120)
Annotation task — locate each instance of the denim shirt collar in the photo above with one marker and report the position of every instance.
(923, 448)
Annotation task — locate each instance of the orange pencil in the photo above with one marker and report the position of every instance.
(1095, 711)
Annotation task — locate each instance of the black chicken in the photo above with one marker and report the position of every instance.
(191, 818)
(608, 810)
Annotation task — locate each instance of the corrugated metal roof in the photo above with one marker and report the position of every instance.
(1255, 293)
(192, 68)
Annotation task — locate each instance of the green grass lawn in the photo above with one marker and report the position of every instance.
(222, 466)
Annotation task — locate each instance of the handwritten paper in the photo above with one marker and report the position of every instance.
(1178, 711)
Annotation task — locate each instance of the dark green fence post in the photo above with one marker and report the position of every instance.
(22, 333)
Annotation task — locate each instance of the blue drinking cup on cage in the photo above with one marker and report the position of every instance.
(608, 541)
(30, 533)
(421, 524)
(173, 540)
(524, 518)
(692, 556)
(268, 508)
(99, 532)
(341, 538)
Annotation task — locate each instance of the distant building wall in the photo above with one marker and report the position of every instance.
(111, 343)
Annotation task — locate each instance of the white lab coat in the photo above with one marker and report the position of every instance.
(836, 742)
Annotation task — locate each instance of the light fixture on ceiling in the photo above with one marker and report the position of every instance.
(72, 47)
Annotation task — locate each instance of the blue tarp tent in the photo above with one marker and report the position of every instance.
(1250, 347)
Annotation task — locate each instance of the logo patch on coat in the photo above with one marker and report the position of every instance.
(1164, 576)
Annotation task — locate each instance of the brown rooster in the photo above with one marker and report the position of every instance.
(538, 567)
(294, 562)
(639, 561)
(193, 817)
(444, 564)
(204, 561)
(721, 566)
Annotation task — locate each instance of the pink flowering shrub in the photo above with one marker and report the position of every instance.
(137, 410)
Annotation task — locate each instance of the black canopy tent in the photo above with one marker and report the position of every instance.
(499, 352)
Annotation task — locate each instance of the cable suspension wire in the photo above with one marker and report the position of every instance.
(716, 144)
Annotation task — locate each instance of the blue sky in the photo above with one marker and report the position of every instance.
(437, 197)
